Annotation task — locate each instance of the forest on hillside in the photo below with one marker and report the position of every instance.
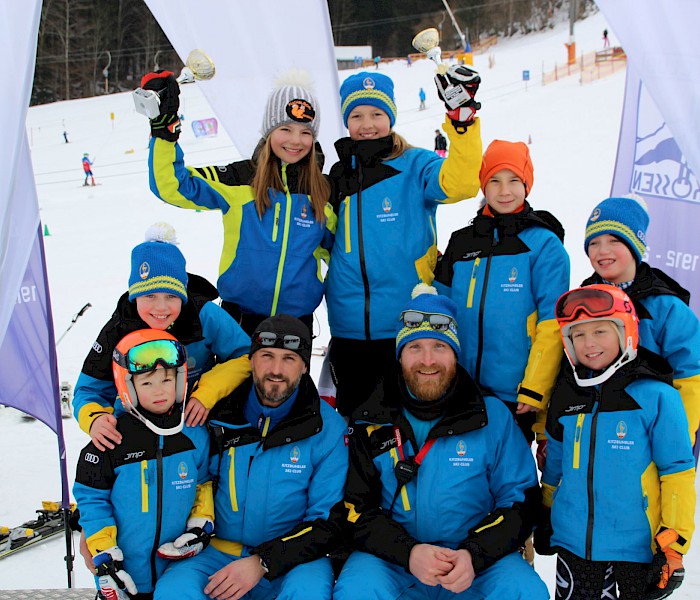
(91, 47)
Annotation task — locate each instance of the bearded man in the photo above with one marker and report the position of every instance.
(278, 465)
(442, 488)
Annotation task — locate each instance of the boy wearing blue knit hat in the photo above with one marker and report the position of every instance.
(441, 487)
(615, 243)
(163, 296)
(385, 193)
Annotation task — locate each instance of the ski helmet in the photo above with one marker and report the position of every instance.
(599, 302)
(143, 351)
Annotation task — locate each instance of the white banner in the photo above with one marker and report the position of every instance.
(253, 43)
(658, 154)
(19, 210)
(663, 49)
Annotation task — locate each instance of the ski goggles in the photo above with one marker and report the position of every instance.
(269, 339)
(413, 319)
(147, 356)
(595, 303)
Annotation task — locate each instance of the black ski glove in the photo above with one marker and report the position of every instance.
(167, 124)
(457, 88)
(666, 571)
(542, 536)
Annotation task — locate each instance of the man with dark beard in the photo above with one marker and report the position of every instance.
(278, 465)
(442, 488)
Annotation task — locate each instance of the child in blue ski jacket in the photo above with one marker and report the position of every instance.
(150, 498)
(505, 271)
(386, 193)
(615, 244)
(163, 296)
(278, 224)
(619, 477)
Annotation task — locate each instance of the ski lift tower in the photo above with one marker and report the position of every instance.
(454, 22)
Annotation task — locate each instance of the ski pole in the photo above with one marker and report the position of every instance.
(76, 316)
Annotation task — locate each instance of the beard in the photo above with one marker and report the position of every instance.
(432, 389)
(272, 392)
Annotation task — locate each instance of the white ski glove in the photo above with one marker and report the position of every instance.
(114, 581)
(190, 543)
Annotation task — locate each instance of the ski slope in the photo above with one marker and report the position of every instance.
(573, 129)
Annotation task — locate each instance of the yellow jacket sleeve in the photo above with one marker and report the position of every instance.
(542, 364)
(104, 539)
(459, 175)
(678, 505)
(90, 412)
(689, 389)
(221, 380)
(203, 506)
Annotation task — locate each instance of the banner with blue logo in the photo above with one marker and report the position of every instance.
(658, 153)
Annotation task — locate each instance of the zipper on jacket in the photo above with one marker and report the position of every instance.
(346, 218)
(159, 508)
(480, 347)
(361, 249)
(472, 283)
(276, 222)
(285, 240)
(232, 479)
(578, 432)
(144, 486)
(589, 479)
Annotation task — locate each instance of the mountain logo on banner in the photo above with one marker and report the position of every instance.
(205, 127)
(660, 169)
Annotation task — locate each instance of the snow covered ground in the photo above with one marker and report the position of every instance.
(573, 129)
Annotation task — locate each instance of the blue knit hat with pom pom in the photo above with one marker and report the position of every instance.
(157, 265)
(426, 300)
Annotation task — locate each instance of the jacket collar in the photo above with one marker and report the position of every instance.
(303, 421)
(514, 223)
(466, 409)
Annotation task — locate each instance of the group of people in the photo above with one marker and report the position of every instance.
(219, 472)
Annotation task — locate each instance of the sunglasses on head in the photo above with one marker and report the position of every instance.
(591, 302)
(414, 318)
(146, 357)
(269, 339)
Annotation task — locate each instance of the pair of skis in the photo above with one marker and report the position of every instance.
(48, 523)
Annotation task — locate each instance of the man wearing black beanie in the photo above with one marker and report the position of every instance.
(278, 465)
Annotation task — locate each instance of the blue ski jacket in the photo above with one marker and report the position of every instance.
(140, 495)
(386, 240)
(668, 327)
(619, 463)
(274, 489)
(268, 265)
(217, 353)
(506, 272)
(476, 487)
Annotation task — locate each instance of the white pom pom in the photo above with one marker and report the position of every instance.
(423, 288)
(638, 199)
(161, 232)
(297, 77)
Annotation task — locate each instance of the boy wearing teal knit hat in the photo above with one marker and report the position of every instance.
(615, 243)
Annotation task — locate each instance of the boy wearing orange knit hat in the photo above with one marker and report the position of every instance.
(506, 271)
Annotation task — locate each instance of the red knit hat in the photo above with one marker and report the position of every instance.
(507, 155)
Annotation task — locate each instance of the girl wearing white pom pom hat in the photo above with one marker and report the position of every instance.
(615, 243)
(162, 295)
(278, 225)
